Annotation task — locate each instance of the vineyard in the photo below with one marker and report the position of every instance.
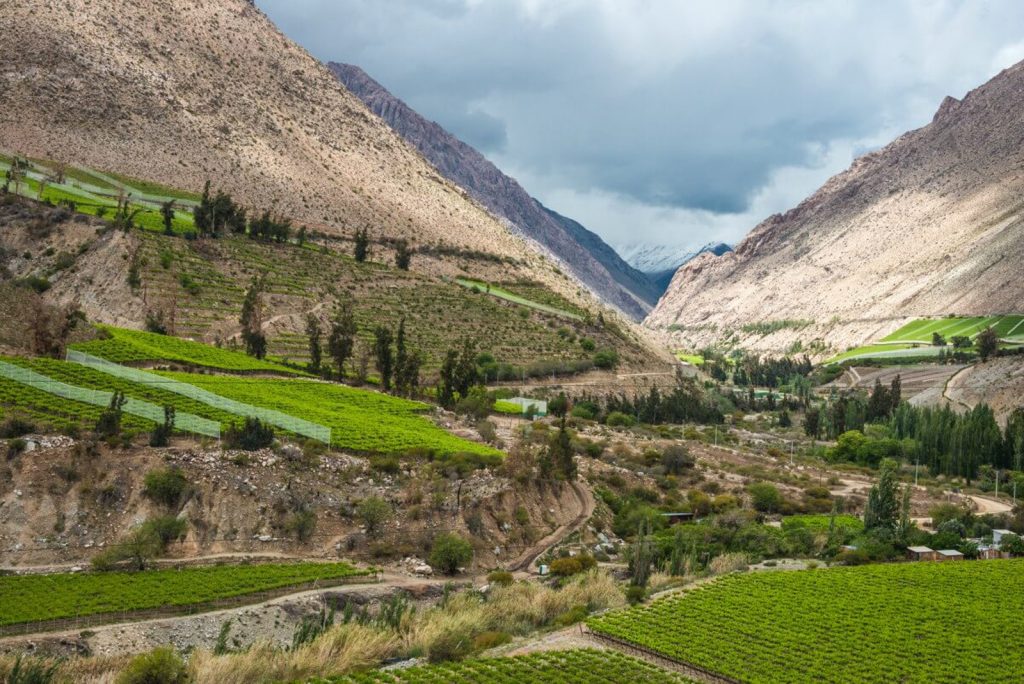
(578, 666)
(905, 622)
(360, 420)
(135, 346)
(821, 523)
(32, 598)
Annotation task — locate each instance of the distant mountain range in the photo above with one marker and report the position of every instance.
(660, 262)
(589, 258)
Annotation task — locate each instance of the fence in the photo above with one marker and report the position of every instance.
(693, 671)
(78, 623)
(136, 407)
(282, 420)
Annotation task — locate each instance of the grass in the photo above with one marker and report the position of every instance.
(33, 598)
(821, 523)
(508, 295)
(902, 622)
(135, 346)
(692, 359)
(557, 667)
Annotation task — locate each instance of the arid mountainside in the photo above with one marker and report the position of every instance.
(585, 253)
(931, 224)
(181, 91)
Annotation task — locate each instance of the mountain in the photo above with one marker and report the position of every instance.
(584, 252)
(931, 224)
(110, 85)
(660, 262)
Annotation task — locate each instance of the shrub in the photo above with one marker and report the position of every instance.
(606, 359)
(587, 344)
(374, 512)
(302, 524)
(450, 552)
(250, 436)
(16, 427)
(159, 666)
(487, 640)
(15, 447)
(500, 577)
(635, 595)
(765, 497)
(166, 486)
(619, 419)
(166, 528)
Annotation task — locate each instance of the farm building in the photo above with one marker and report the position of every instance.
(540, 407)
(997, 536)
(990, 552)
(948, 555)
(921, 553)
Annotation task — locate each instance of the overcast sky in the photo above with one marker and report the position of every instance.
(667, 121)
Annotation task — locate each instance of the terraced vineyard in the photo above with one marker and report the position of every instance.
(577, 666)
(360, 420)
(554, 305)
(903, 622)
(135, 346)
(821, 523)
(914, 340)
(33, 598)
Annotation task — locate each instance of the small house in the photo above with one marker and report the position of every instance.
(990, 552)
(676, 518)
(920, 553)
(997, 536)
(949, 555)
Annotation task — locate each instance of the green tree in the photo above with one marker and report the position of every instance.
(561, 454)
(401, 358)
(450, 552)
(251, 319)
(938, 340)
(676, 458)
(161, 435)
(987, 343)
(883, 507)
(765, 497)
(559, 406)
(383, 355)
(812, 422)
(362, 245)
(375, 513)
(640, 557)
(403, 255)
(341, 340)
(313, 333)
(167, 214)
(109, 423)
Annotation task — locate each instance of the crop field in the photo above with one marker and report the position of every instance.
(503, 293)
(360, 420)
(48, 411)
(921, 330)
(31, 598)
(821, 523)
(900, 622)
(135, 346)
(576, 666)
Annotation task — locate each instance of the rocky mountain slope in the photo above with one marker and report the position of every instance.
(655, 258)
(931, 224)
(181, 91)
(585, 253)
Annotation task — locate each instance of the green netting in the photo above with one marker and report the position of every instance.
(185, 422)
(281, 420)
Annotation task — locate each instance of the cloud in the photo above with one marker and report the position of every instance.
(680, 122)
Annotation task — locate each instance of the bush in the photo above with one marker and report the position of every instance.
(765, 497)
(450, 552)
(250, 436)
(15, 447)
(573, 565)
(487, 640)
(165, 487)
(159, 666)
(606, 359)
(500, 577)
(618, 419)
(635, 595)
(166, 528)
(302, 524)
(16, 427)
(374, 512)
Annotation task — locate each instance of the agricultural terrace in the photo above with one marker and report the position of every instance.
(914, 340)
(577, 666)
(556, 305)
(96, 193)
(901, 622)
(206, 283)
(135, 346)
(32, 598)
(360, 420)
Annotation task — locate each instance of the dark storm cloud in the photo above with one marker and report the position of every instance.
(709, 114)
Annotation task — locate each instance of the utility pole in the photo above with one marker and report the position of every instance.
(917, 465)
(997, 483)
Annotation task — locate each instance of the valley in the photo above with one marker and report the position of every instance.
(297, 385)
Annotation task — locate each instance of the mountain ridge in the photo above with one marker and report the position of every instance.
(585, 253)
(930, 224)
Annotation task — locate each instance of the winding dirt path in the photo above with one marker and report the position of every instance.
(526, 562)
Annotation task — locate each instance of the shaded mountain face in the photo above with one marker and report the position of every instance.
(585, 253)
(932, 224)
(660, 262)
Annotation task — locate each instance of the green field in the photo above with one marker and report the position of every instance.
(692, 359)
(576, 666)
(360, 420)
(31, 598)
(901, 622)
(913, 341)
(821, 523)
(135, 346)
(508, 295)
